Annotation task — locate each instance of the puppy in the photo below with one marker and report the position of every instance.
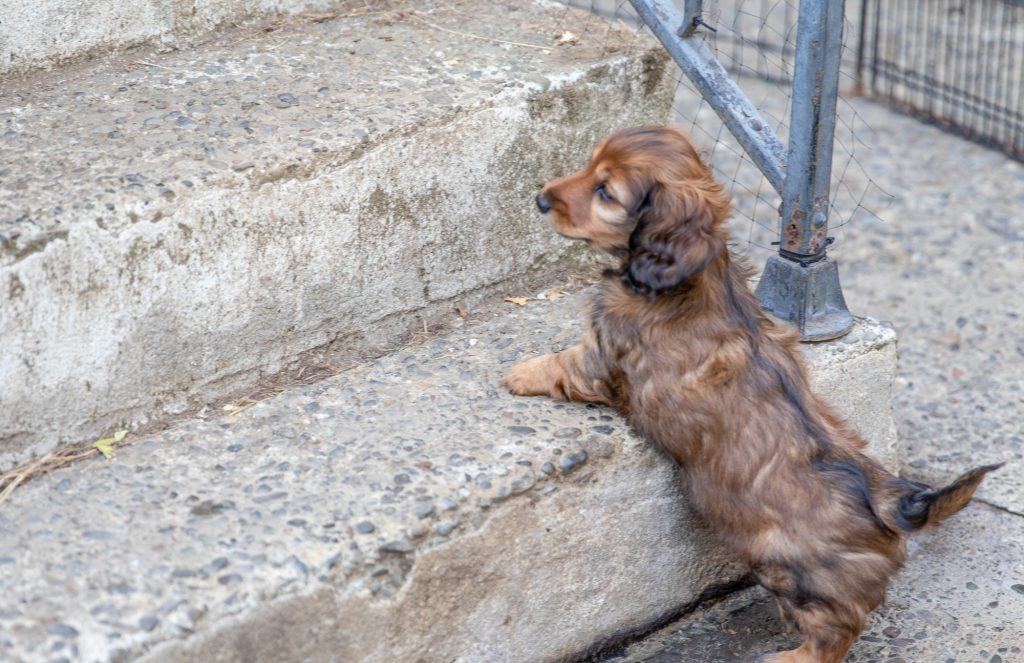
(678, 343)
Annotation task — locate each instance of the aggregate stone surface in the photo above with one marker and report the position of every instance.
(958, 600)
(204, 520)
(141, 278)
(208, 519)
(944, 262)
(123, 140)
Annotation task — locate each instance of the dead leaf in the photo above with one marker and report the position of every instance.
(235, 408)
(554, 294)
(567, 38)
(106, 445)
(320, 18)
(461, 311)
(518, 301)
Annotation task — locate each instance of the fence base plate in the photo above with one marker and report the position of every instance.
(807, 296)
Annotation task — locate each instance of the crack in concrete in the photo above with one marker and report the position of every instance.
(619, 642)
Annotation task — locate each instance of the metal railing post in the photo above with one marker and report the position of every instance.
(801, 284)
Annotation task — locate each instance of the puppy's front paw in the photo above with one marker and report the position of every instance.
(534, 377)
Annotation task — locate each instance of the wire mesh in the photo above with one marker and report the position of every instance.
(755, 40)
(958, 64)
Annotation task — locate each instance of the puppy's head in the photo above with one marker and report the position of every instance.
(645, 195)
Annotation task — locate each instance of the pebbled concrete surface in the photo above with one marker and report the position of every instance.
(851, 372)
(408, 509)
(45, 33)
(945, 263)
(959, 600)
(172, 232)
(278, 106)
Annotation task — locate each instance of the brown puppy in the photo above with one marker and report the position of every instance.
(678, 342)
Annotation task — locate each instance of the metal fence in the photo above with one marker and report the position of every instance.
(958, 64)
(801, 283)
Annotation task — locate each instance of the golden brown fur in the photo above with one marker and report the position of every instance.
(678, 342)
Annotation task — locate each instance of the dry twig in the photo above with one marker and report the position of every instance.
(470, 35)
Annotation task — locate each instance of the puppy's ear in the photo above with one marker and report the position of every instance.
(676, 237)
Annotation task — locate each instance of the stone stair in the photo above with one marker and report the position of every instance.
(408, 509)
(181, 230)
(176, 228)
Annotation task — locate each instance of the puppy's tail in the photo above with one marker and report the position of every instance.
(928, 506)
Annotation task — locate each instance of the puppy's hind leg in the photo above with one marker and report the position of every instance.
(830, 632)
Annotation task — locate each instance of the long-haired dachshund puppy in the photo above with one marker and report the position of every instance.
(678, 343)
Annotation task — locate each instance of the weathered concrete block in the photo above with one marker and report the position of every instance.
(43, 33)
(170, 234)
(406, 510)
(855, 374)
(542, 580)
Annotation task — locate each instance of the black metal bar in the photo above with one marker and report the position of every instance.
(1008, 67)
(891, 51)
(961, 62)
(958, 64)
(787, 50)
(942, 107)
(874, 46)
(859, 69)
(999, 60)
(972, 78)
(929, 62)
(739, 41)
(913, 37)
(1019, 18)
(982, 75)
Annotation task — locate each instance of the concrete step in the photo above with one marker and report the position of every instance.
(28, 34)
(175, 228)
(409, 509)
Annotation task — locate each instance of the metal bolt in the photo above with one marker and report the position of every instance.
(819, 219)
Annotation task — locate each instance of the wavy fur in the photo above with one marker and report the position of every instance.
(677, 341)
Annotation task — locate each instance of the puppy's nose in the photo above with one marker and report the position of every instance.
(543, 204)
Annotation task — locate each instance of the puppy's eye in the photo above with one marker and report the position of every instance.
(602, 192)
